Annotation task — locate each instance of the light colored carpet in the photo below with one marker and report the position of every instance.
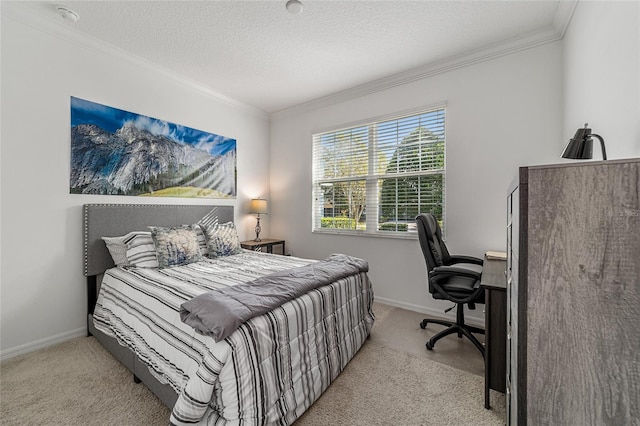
(74, 383)
(385, 387)
(79, 383)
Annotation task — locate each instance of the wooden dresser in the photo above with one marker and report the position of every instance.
(573, 294)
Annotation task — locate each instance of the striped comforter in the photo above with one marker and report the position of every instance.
(269, 371)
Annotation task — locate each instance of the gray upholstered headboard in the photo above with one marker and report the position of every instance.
(112, 220)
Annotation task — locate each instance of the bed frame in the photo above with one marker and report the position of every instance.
(111, 220)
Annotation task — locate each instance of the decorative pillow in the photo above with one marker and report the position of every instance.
(176, 246)
(222, 239)
(202, 241)
(138, 249)
(118, 250)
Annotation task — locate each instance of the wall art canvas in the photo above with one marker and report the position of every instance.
(116, 152)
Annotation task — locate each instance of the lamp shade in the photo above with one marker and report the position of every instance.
(580, 147)
(258, 206)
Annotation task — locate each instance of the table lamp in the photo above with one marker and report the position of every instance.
(258, 206)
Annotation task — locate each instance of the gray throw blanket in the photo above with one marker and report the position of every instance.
(218, 313)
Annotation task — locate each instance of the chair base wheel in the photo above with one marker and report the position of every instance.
(423, 324)
(429, 346)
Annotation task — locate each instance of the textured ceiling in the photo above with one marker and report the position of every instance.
(256, 53)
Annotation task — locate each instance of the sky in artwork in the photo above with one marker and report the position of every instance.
(111, 119)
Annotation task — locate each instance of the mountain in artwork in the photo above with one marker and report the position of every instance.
(133, 161)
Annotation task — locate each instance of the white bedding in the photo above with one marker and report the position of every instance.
(269, 371)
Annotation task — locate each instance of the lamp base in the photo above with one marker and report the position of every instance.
(258, 229)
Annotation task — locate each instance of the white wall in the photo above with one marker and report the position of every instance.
(501, 114)
(42, 287)
(602, 75)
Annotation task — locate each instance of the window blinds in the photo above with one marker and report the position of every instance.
(378, 176)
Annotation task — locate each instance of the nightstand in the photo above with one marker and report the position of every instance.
(266, 243)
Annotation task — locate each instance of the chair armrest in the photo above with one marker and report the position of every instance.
(466, 259)
(440, 272)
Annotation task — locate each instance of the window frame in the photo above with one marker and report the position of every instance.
(372, 178)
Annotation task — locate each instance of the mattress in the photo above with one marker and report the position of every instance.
(269, 371)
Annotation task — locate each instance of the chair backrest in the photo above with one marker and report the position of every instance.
(430, 236)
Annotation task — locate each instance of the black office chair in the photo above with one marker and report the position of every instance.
(451, 277)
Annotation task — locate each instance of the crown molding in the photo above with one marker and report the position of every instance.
(562, 18)
(94, 45)
(473, 57)
(564, 14)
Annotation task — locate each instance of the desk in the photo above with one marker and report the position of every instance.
(494, 282)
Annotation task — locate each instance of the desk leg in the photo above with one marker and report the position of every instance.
(495, 357)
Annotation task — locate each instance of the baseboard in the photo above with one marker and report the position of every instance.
(437, 313)
(42, 343)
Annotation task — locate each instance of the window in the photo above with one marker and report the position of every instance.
(375, 178)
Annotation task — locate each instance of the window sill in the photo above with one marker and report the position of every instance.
(399, 236)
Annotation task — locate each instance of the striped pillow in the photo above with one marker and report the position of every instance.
(137, 247)
(118, 250)
(222, 239)
(176, 246)
(202, 240)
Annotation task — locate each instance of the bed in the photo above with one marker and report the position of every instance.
(269, 370)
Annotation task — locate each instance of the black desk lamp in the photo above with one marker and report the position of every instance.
(580, 147)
